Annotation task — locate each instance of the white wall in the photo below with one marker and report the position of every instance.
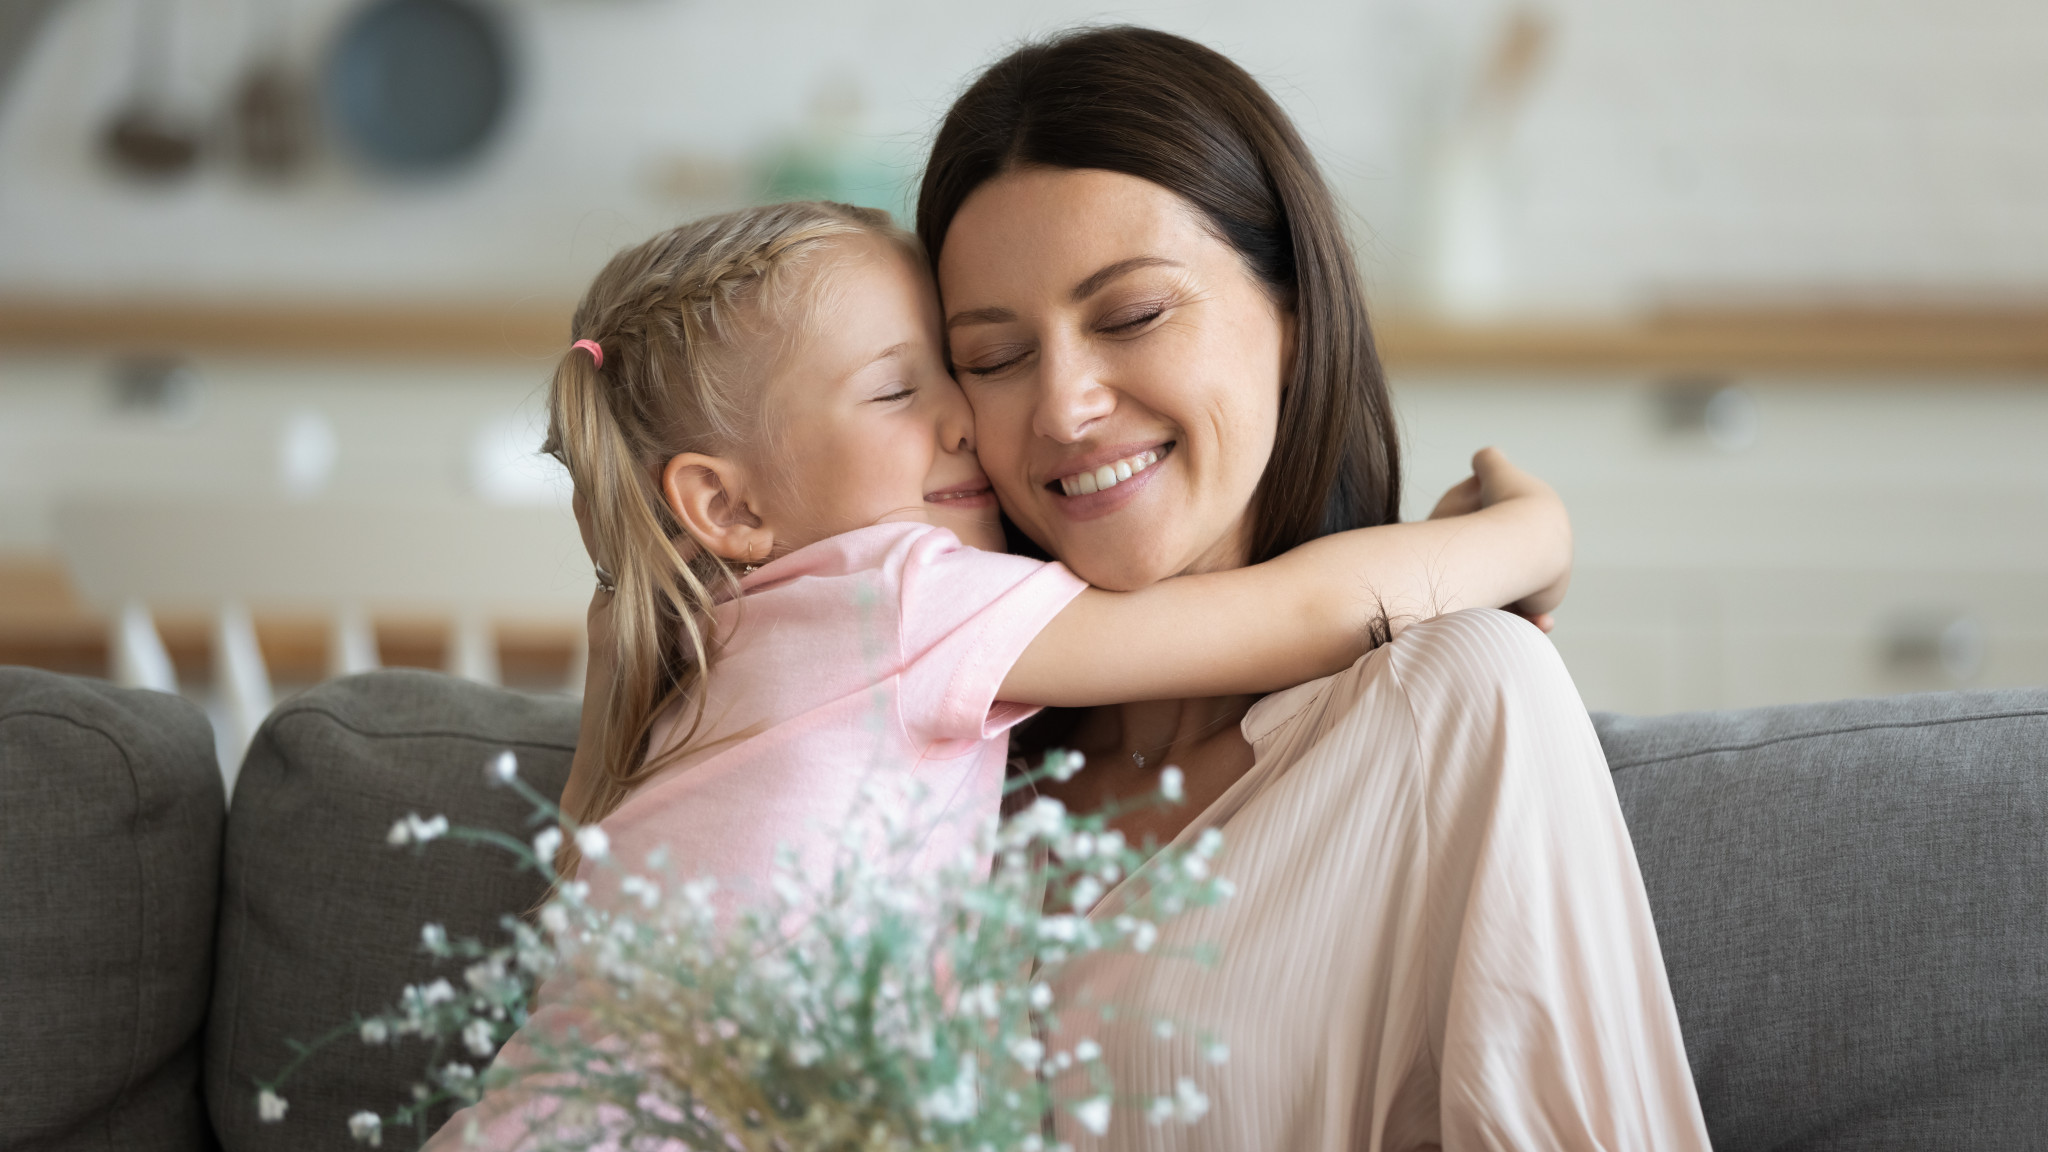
(1667, 148)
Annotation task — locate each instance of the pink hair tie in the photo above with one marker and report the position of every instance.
(591, 346)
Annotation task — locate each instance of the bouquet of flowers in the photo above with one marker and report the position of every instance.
(884, 1009)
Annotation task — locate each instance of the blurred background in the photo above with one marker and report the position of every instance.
(1761, 287)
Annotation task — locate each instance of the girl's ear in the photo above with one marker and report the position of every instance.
(708, 496)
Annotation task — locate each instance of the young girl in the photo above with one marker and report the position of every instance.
(806, 589)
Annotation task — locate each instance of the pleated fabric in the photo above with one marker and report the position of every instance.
(1440, 938)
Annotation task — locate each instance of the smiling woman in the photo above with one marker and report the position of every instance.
(1441, 938)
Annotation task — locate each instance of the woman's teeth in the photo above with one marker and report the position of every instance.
(1109, 475)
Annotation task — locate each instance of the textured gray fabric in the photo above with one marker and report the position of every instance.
(320, 919)
(110, 828)
(1852, 900)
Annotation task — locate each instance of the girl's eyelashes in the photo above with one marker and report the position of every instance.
(903, 392)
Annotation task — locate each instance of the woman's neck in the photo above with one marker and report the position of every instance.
(1128, 744)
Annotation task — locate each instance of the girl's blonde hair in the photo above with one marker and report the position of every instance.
(689, 323)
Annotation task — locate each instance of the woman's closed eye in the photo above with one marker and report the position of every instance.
(994, 361)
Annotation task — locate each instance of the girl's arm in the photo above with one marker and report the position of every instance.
(1309, 612)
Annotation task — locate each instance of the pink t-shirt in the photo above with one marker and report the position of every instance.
(871, 656)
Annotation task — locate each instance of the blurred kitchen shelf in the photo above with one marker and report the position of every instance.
(481, 331)
(1817, 341)
(43, 624)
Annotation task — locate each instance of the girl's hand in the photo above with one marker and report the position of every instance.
(1494, 479)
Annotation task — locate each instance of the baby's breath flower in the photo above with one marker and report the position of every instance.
(502, 768)
(593, 843)
(1170, 781)
(1216, 1052)
(1189, 1104)
(375, 1032)
(1163, 1029)
(642, 889)
(1087, 890)
(1144, 934)
(1093, 1113)
(1159, 1110)
(477, 1037)
(1026, 1050)
(368, 1127)
(1041, 996)
(547, 842)
(270, 1106)
(1087, 1051)
(434, 938)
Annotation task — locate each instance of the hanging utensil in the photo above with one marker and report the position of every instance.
(420, 86)
(270, 116)
(145, 138)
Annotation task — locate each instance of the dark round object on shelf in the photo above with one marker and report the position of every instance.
(419, 85)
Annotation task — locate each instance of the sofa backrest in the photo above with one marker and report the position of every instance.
(320, 917)
(110, 832)
(1852, 900)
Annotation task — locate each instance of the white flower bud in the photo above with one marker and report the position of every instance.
(1189, 1102)
(547, 843)
(434, 938)
(367, 1128)
(592, 842)
(1159, 1110)
(502, 768)
(1216, 1052)
(270, 1106)
(1093, 1113)
(375, 1032)
(476, 1036)
(1170, 783)
(1026, 1050)
(1087, 1051)
(1041, 996)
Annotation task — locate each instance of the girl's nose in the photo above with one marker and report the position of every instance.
(1071, 397)
(956, 420)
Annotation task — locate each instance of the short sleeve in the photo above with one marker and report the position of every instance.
(967, 615)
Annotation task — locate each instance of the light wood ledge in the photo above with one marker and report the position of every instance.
(2010, 342)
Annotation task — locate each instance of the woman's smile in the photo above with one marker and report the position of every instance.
(1106, 480)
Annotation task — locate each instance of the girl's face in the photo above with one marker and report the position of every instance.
(867, 425)
(1125, 369)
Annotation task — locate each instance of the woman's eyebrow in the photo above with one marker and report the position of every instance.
(1103, 276)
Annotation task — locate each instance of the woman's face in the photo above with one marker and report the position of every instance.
(1125, 369)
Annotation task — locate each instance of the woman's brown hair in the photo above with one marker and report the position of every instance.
(1166, 109)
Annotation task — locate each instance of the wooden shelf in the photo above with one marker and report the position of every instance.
(2010, 342)
(479, 331)
(1802, 341)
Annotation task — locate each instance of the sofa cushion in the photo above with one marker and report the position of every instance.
(320, 918)
(110, 817)
(1852, 900)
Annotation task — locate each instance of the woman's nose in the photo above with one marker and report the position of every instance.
(1071, 397)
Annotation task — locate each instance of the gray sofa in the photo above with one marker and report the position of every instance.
(1852, 900)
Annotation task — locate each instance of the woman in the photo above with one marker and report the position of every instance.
(1440, 937)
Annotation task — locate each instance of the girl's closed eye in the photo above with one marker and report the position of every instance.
(898, 392)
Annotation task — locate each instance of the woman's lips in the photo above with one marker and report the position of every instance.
(1083, 495)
